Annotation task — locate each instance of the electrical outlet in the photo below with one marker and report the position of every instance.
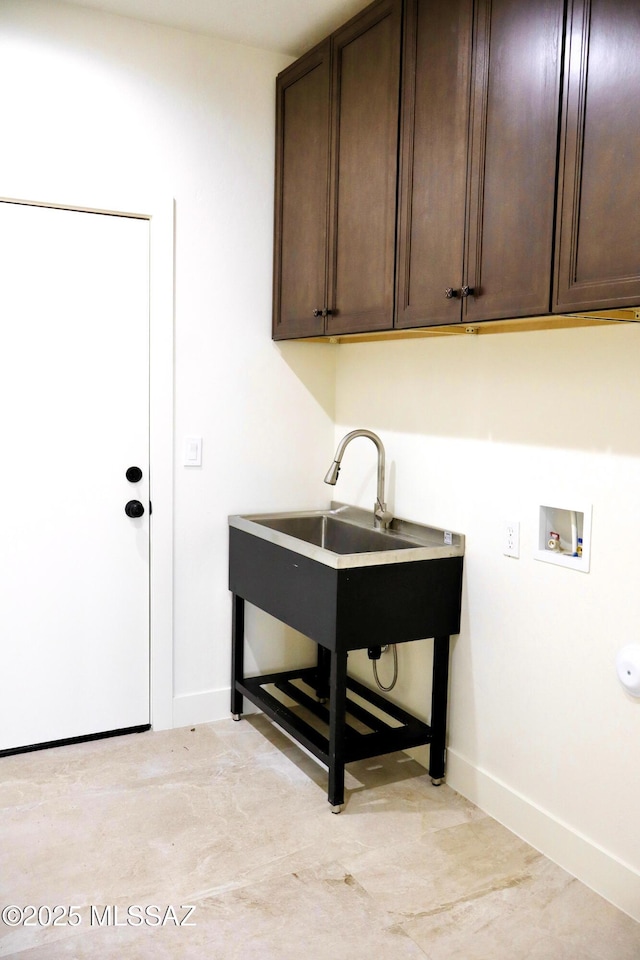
(512, 539)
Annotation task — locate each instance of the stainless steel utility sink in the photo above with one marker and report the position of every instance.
(344, 536)
(347, 585)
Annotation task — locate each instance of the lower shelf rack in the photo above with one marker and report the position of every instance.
(373, 725)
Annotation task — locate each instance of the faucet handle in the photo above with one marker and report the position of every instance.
(382, 515)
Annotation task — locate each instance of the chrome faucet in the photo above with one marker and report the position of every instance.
(381, 516)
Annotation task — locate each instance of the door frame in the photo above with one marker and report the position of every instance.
(159, 212)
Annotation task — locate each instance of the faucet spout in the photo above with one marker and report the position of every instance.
(332, 473)
(382, 517)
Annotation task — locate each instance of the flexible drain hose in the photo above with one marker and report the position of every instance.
(374, 663)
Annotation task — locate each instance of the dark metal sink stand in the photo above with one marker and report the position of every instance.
(380, 594)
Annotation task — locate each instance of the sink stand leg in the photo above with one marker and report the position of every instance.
(439, 709)
(337, 709)
(322, 673)
(237, 654)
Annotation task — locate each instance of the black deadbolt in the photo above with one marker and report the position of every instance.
(134, 508)
(134, 474)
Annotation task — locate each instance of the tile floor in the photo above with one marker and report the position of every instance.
(232, 819)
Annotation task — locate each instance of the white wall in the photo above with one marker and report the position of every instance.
(480, 430)
(93, 101)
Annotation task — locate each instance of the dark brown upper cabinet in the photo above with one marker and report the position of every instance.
(597, 246)
(336, 177)
(481, 89)
(301, 195)
(366, 106)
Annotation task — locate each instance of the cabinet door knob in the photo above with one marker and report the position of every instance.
(467, 292)
(450, 293)
(317, 312)
(134, 508)
(326, 312)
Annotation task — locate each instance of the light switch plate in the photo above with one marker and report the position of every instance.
(193, 452)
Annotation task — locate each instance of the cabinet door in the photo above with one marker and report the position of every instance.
(514, 136)
(433, 152)
(366, 85)
(302, 180)
(598, 244)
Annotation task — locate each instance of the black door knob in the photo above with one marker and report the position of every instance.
(134, 474)
(134, 508)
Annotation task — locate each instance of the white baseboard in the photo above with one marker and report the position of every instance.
(609, 876)
(205, 707)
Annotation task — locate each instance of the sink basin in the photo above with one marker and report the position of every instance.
(344, 536)
(338, 536)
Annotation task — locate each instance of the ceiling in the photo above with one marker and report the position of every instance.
(286, 26)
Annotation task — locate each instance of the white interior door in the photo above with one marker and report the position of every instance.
(74, 409)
